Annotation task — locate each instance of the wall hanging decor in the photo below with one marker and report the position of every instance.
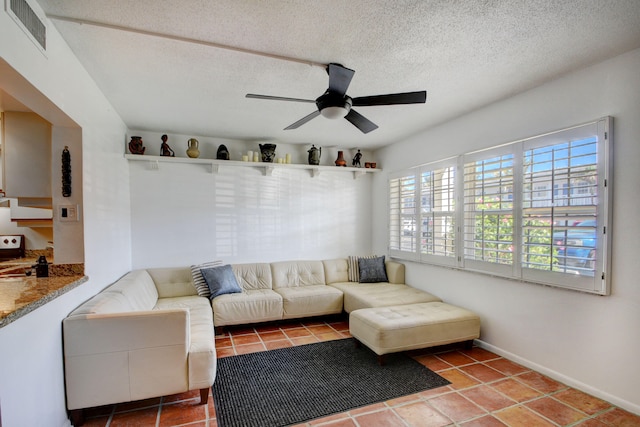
(66, 172)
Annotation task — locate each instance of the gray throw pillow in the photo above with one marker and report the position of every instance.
(221, 281)
(372, 270)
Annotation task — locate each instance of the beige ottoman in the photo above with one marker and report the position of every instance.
(408, 327)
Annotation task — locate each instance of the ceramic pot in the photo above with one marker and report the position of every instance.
(268, 152)
(192, 150)
(136, 146)
(340, 161)
(314, 155)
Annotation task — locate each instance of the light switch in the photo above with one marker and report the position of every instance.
(68, 213)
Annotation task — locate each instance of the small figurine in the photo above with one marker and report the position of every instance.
(223, 153)
(356, 159)
(136, 146)
(165, 150)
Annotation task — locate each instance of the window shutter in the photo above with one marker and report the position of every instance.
(559, 207)
(488, 210)
(437, 214)
(403, 232)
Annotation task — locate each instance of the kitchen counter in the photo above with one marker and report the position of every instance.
(21, 295)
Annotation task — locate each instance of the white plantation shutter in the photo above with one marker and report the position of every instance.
(563, 215)
(535, 210)
(437, 213)
(488, 211)
(403, 205)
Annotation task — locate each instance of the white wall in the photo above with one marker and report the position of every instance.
(183, 214)
(58, 88)
(585, 340)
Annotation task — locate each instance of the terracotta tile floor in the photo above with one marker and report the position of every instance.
(486, 390)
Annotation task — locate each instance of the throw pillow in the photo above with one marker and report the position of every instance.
(221, 281)
(354, 273)
(198, 280)
(372, 270)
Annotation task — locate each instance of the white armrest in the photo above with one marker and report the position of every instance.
(112, 332)
(119, 357)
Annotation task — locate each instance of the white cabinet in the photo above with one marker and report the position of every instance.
(26, 158)
(26, 152)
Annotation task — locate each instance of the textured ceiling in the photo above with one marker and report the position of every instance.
(466, 54)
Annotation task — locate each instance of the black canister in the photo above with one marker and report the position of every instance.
(42, 267)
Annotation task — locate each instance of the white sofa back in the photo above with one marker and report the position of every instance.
(173, 282)
(290, 274)
(254, 276)
(336, 270)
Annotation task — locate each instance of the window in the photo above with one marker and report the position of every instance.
(437, 213)
(534, 210)
(488, 211)
(403, 212)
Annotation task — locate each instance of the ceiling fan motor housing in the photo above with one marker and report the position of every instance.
(334, 99)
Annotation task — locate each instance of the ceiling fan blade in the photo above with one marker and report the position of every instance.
(391, 99)
(339, 78)
(303, 120)
(278, 98)
(360, 121)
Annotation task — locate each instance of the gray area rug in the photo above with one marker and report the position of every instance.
(292, 385)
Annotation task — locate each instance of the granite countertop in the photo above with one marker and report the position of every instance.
(21, 295)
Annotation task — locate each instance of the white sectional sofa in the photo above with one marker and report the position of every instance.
(151, 333)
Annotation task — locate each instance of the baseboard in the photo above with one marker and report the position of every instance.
(624, 404)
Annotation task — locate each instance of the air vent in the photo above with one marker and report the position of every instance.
(29, 21)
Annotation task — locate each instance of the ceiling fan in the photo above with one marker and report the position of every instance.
(335, 103)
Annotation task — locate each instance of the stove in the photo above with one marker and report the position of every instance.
(11, 246)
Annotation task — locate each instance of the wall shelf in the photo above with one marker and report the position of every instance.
(215, 165)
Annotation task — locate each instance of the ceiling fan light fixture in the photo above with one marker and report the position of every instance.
(334, 112)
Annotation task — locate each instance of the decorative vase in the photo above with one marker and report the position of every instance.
(223, 153)
(268, 152)
(136, 146)
(192, 150)
(314, 155)
(340, 161)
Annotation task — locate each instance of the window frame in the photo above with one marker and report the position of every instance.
(519, 268)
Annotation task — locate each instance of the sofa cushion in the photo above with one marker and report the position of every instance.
(253, 276)
(372, 270)
(307, 301)
(367, 295)
(336, 270)
(173, 281)
(287, 274)
(250, 306)
(220, 280)
(198, 280)
(138, 288)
